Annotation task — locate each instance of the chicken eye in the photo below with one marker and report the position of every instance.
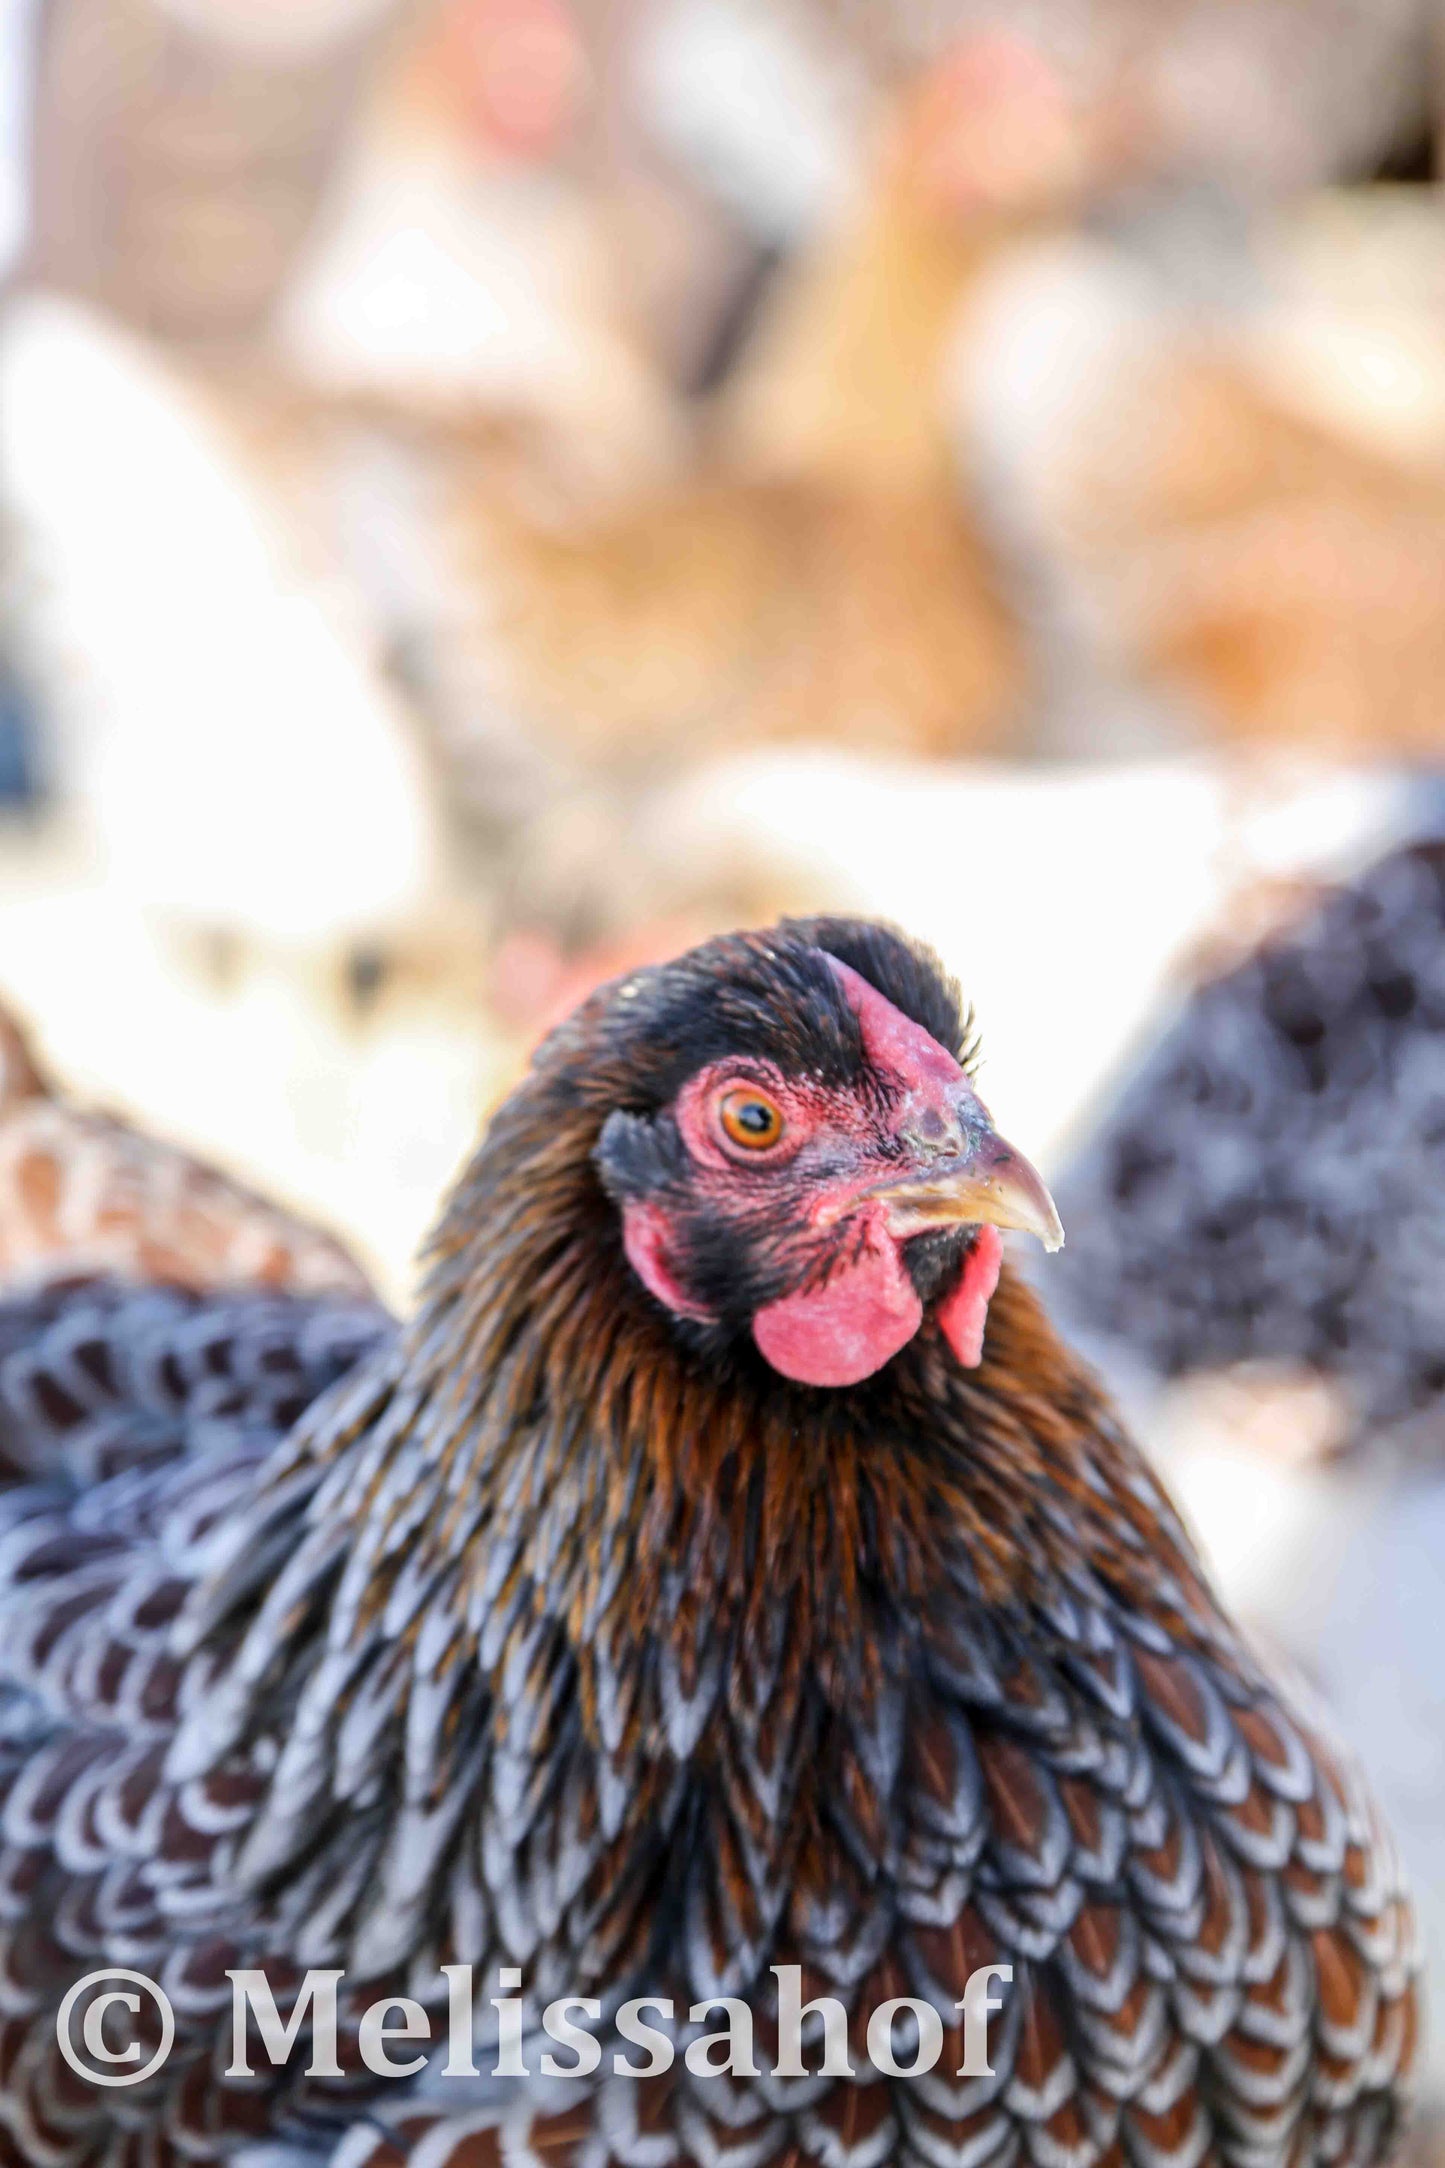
(750, 1118)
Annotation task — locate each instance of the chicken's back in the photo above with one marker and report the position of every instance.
(85, 1193)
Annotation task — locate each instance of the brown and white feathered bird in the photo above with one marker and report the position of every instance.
(85, 1193)
(726, 1568)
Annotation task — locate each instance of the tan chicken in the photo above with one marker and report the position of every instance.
(1293, 583)
(85, 1193)
(820, 576)
(1312, 610)
(1229, 533)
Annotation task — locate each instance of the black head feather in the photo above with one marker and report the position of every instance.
(770, 995)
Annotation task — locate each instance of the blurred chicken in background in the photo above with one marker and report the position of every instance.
(1267, 1189)
(820, 576)
(85, 1194)
(1240, 498)
(1241, 560)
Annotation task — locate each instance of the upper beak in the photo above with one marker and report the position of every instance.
(988, 1181)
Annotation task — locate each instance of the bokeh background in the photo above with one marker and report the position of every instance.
(492, 490)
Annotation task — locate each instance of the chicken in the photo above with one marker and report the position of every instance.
(84, 1193)
(826, 531)
(1266, 1188)
(726, 1568)
(818, 577)
(1260, 555)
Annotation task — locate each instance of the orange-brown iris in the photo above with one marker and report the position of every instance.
(751, 1119)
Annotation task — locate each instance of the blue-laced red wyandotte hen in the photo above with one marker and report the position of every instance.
(725, 1569)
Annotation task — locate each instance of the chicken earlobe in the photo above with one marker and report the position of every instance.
(645, 1240)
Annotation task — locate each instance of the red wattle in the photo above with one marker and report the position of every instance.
(844, 1331)
(963, 1311)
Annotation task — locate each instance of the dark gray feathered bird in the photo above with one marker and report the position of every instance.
(1270, 1183)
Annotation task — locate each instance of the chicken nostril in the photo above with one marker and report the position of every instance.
(931, 1134)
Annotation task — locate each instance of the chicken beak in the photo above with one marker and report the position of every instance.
(989, 1182)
